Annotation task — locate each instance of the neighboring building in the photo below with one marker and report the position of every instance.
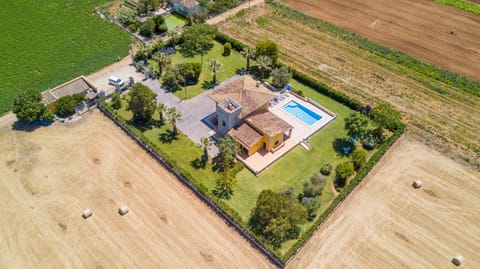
(242, 113)
(185, 7)
(74, 86)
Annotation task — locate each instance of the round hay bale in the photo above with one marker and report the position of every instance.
(457, 260)
(86, 213)
(417, 184)
(123, 209)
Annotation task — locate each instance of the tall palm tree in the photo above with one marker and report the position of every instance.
(174, 115)
(205, 143)
(163, 59)
(214, 66)
(265, 63)
(248, 53)
(162, 109)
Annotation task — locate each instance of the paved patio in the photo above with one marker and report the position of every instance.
(301, 131)
(194, 111)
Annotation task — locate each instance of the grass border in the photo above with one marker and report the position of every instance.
(460, 4)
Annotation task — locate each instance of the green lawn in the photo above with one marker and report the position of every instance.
(174, 20)
(182, 150)
(46, 43)
(231, 65)
(290, 171)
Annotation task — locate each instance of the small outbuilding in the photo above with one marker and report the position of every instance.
(458, 260)
(86, 213)
(123, 209)
(417, 184)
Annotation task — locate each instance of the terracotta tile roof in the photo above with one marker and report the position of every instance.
(245, 91)
(246, 135)
(187, 3)
(269, 123)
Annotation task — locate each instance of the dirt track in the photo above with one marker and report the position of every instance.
(417, 27)
(49, 176)
(386, 223)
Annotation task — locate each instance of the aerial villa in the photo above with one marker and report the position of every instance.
(265, 124)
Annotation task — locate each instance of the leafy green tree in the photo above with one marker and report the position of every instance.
(198, 39)
(172, 80)
(267, 48)
(314, 185)
(174, 115)
(160, 25)
(326, 169)
(142, 102)
(387, 117)
(116, 101)
(281, 77)
(147, 5)
(248, 53)
(359, 157)
(28, 106)
(162, 59)
(356, 125)
(311, 204)
(276, 217)
(206, 143)
(214, 66)
(189, 72)
(227, 49)
(148, 28)
(264, 63)
(344, 170)
(66, 104)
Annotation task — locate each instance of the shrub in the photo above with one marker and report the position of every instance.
(227, 49)
(369, 143)
(281, 76)
(147, 28)
(311, 204)
(133, 27)
(66, 104)
(386, 116)
(344, 170)
(190, 72)
(314, 185)
(359, 158)
(267, 48)
(116, 101)
(326, 169)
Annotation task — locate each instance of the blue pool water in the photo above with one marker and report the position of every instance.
(302, 113)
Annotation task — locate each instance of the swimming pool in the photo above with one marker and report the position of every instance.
(301, 112)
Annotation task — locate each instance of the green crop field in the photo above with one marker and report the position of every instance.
(45, 43)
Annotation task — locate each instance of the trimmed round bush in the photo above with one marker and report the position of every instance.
(326, 169)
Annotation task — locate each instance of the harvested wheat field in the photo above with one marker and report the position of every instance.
(420, 28)
(386, 223)
(441, 116)
(49, 176)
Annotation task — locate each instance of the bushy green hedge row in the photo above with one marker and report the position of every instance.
(410, 63)
(344, 193)
(460, 4)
